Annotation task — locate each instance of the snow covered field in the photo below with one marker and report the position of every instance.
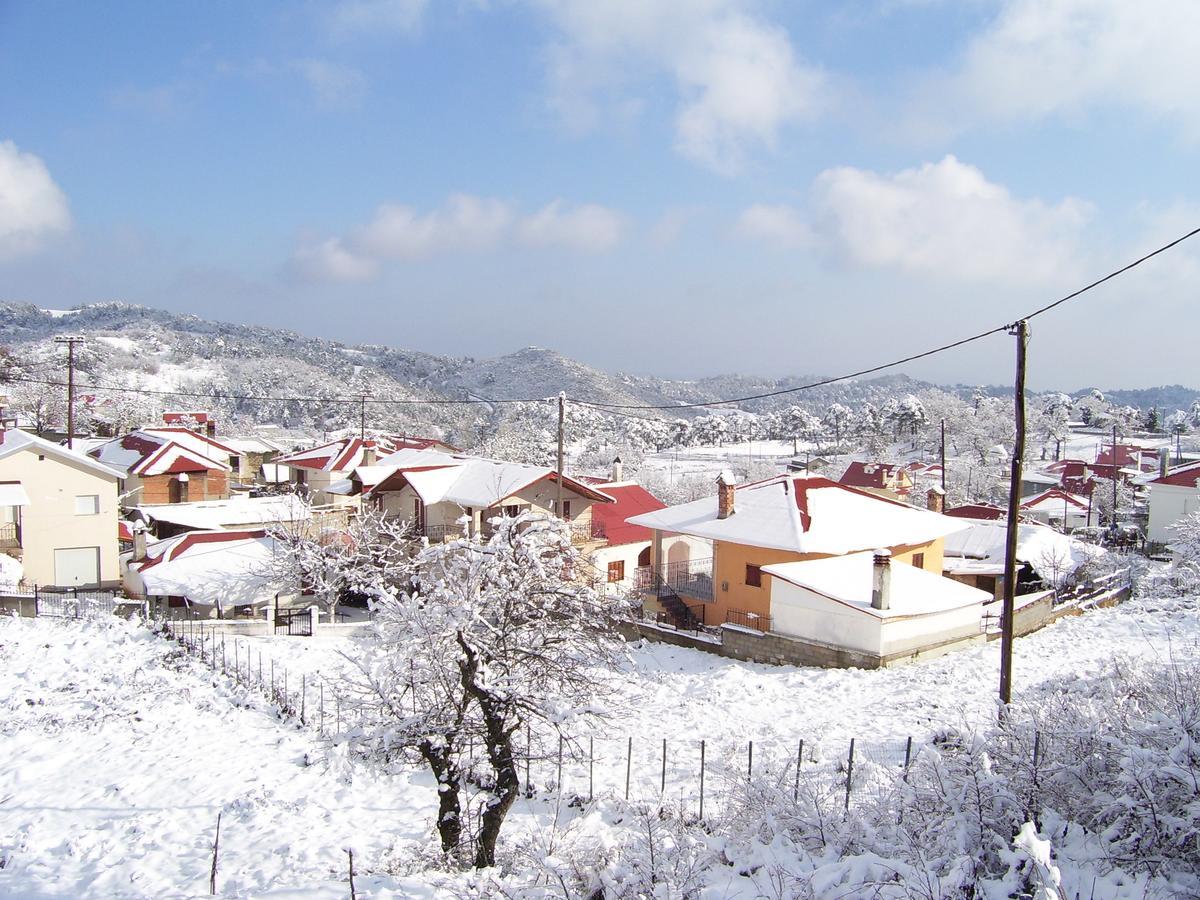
(120, 751)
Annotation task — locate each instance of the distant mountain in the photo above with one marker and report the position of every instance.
(140, 347)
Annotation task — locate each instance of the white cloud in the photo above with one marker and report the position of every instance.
(946, 219)
(369, 17)
(463, 224)
(332, 84)
(589, 228)
(775, 224)
(33, 208)
(330, 260)
(1064, 57)
(737, 78)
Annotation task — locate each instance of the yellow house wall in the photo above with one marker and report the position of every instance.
(730, 591)
(49, 521)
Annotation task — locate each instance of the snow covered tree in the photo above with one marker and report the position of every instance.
(494, 636)
(1102, 500)
(367, 558)
(837, 419)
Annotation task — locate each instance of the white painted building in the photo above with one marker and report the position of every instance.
(868, 604)
(1172, 497)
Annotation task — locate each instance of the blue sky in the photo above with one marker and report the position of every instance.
(677, 187)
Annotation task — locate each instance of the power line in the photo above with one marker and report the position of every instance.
(899, 362)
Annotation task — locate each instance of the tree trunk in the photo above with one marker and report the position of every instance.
(449, 821)
(500, 756)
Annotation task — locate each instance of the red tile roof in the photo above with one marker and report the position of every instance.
(872, 475)
(631, 500)
(1184, 476)
(976, 511)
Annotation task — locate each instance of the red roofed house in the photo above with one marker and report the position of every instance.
(981, 511)
(1173, 496)
(884, 479)
(1059, 509)
(784, 527)
(198, 421)
(1128, 456)
(329, 465)
(167, 465)
(627, 546)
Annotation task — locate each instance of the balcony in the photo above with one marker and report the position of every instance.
(10, 536)
(689, 578)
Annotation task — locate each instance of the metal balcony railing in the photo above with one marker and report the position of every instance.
(689, 578)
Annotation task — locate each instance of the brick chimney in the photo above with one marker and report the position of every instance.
(618, 470)
(725, 489)
(881, 580)
(1164, 461)
(369, 453)
(935, 499)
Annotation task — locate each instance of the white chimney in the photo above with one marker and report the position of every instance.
(369, 454)
(725, 490)
(139, 540)
(881, 580)
(618, 471)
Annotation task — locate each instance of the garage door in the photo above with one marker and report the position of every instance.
(77, 566)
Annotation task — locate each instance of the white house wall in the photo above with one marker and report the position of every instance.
(1168, 504)
(807, 615)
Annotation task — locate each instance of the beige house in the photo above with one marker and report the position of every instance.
(58, 513)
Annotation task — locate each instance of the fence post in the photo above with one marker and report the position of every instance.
(591, 766)
(628, 765)
(303, 694)
(528, 757)
(662, 788)
(701, 779)
(849, 773)
(560, 745)
(750, 761)
(907, 756)
(321, 727)
(799, 759)
(1037, 754)
(223, 669)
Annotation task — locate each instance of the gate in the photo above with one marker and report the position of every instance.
(295, 622)
(74, 604)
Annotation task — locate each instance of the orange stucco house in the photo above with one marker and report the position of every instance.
(789, 518)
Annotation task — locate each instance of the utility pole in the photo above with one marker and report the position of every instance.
(1021, 331)
(362, 415)
(70, 340)
(943, 457)
(1116, 473)
(562, 418)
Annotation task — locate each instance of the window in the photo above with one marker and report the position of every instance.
(566, 511)
(87, 504)
(753, 576)
(919, 560)
(616, 571)
(512, 511)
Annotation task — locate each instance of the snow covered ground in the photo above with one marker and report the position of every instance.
(121, 751)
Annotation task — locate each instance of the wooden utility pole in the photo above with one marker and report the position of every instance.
(70, 341)
(943, 457)
(362, 416)
(1116, 473)
(562, 418)
(1021, 331)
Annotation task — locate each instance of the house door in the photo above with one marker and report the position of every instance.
(77, 566)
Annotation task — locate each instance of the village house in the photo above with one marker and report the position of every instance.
(215, 574)
(1174, 495)
(884, 479)
(323, 472)
(786, 519)
(1058, 509)
(238, 512)
(58, 513)
(167, 465)
(448, 494)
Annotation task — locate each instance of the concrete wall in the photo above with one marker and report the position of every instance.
(1168, 504)
(49, 522)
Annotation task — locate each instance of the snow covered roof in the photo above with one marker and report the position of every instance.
(608, 519)
(252, 444)
(197, 443)
(210, 515)
(1053, 501)
(805, 514)
(1181, 476)
(848, 581)
(14, 441)
(157, 452)
(223, 569)
(273, 473)
(875, 475)
(348, 453)
(465, 480)
(980, 550)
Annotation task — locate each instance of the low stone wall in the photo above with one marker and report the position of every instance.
(748, 645)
